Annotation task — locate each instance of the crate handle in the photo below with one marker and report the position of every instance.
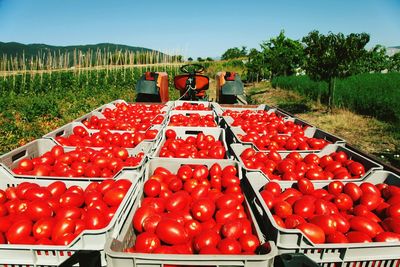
(193, 132)
(60, 133)
(18, 156)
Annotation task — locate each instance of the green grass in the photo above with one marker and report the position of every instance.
(374, 94)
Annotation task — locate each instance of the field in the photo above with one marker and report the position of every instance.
(373, 94)
(32, 104)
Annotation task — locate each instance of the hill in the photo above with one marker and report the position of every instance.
(14, 48)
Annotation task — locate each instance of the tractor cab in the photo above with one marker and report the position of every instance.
(230, 88)
(192, 85)
(152, 87)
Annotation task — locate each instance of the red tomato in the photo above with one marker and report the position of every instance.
(232, 229)
(38, 209)
(19, 232)
(114, 196)
(313, 232)
(203, 209)
(273, 187)
(336, 237)
(283, 209)
(177, 201)
(249, 243)
(206, 239)
(292, 221)
(171, 232)
(94, 219)
(353, 190)
(387, 237)
(343, 202)
(229, 246)
(365, 225)
(304, 207)
(140, 215)
(305, 186)
(170, 134)
(326, 222)
(358, 237)
(147, 242)
(43, 228)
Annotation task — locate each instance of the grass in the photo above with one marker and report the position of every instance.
(372, 94)
(367, 133)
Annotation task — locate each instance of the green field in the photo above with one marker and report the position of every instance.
(32, 105)
(374, 94)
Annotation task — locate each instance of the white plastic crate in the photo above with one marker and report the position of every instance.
(40, 255)
(112, 106)
(67, 130)
(187, 113)
(310, 132)
(294, 241)
(126, 235)
(38, 147)
(184, 132)
(370, 166)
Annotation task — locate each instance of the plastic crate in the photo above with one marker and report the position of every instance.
(112, 106)
(67, 130)
(126, 235)
(184, 132)
(40, 146)
(310, 132)
(370, 166)
(35, 255)
(187, 113)
(294, 241)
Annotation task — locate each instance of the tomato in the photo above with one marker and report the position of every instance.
(38, 209)
(305, 186)
(206, 239)
(273, 187)
(336, 237)
(304, 207)
(224, 215)
(114, 196)
(25, 165)
(203, 209)
(365, 225)
(367, 187)
(358, 237)
(177, 201)
(292, 221)
(232, 229)
(171, 232)
(356, 169)
(140, 215)
(94, 219)
(282, 209)
(387, 237)
(326, 222)
(370, 200)
(19, 231)
(393, 210)
(147, 242)
(228, 201)
(170, 134)
(193, 228)
(43, 228)
(313, 232)
(175, 184)
(343, 202)
(249, 243)
(200, 172)
(342, 224)
(353, 190)
(71, 199)
(229, 246)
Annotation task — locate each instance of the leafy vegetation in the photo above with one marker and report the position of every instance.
(373, 94)
(32, 105)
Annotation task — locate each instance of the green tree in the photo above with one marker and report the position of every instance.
(394, 62)
(209, 59)
(256, 67)
(199, 59)
(331, 56)
(283, 55)
(374, 60)
(233, 53)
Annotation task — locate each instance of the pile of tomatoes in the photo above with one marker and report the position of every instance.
(195, 211)
(339, 213)
(284, 142)
(294, 166)
(192, 120)
(199, 146)
(137, 122)
(192, 106)
(264, 123)
(55, 214)
(104, 138)
(80, 162)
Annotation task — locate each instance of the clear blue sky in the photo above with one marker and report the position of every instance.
(193, 28)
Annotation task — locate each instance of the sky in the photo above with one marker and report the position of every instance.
(203, 28)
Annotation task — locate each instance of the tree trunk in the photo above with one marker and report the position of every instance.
(331, 91)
